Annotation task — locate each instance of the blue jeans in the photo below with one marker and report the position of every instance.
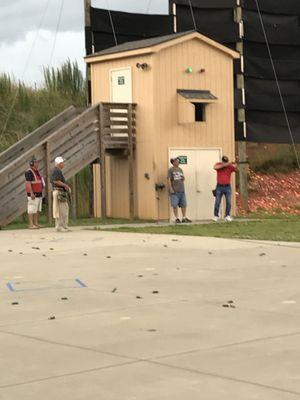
(220, 191)
(178, 199)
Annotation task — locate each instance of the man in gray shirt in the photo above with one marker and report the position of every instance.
(60, 198)
(177, 190)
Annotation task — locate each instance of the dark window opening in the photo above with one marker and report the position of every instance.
(199, 112)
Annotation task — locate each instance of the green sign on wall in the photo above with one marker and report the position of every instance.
(183, 160)
(121, 80)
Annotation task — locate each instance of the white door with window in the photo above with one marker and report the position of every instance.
(121, 85)
(200, 179)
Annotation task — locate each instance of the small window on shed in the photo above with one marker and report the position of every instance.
(199, 112)
(192, 105)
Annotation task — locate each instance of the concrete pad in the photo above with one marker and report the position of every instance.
(274, 362)
(24, 359)
(148, 321)
(143, 381)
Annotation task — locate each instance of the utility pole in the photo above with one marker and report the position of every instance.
(88, 44)
(89, 49)
(87, 12)
(173, 11)
(242, 145)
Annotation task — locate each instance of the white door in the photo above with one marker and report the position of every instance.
(121, 85)
(200, 180)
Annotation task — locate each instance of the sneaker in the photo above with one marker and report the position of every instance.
(228, 218)
(186, 220)
(177, 221)
(216, 219)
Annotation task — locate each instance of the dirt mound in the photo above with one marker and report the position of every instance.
(273, 193)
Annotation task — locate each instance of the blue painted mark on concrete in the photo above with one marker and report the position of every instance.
(42, 286)
(10, 287)
(80, 283)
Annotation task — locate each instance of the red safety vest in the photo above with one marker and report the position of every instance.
(37, 185)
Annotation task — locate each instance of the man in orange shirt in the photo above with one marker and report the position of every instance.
(34, 189)
(224, 170)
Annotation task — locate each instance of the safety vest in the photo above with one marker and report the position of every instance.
(37, 185)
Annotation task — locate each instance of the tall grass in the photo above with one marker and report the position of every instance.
(67, 80)
(61, 88)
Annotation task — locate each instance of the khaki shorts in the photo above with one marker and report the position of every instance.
(35, 205)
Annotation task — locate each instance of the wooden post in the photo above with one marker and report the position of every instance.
(242, 145)
(48, 183)
(74, 197)
(243, 175)
(87, 23)
(173, 11)
(102, 161)
(130, 163)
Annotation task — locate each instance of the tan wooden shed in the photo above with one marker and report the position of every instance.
(182, 85)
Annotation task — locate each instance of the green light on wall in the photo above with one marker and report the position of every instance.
(189, 70)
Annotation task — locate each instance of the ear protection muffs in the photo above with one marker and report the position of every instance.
(31, 163)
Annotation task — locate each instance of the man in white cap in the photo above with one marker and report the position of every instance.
(60, 197)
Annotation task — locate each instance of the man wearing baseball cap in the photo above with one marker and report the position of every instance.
(34, 189)
(224, 170)
(177, 190)
(60, 198)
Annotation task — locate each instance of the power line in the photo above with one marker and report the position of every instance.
(112, 23)
(193, 15)
(56, 31)
(148, 6)
(277, 83)
(25, 69)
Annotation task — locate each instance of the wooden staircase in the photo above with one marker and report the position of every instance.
(80, 138)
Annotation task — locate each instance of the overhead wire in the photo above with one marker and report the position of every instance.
(277, 83)
(193, 15)
(56, 32)
(25, 69)
(112, 22)
(148, 6)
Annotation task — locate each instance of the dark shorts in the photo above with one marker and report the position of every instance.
(178, 200)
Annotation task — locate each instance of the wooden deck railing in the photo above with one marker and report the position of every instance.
(79, 139)
(23, 145)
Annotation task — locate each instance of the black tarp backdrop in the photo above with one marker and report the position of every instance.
(128, 27)
(264, 114)
(265, 119)
(215, 18)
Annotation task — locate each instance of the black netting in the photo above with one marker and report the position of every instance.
(266, 102)
(277, 34)
(142, 25)
(206, 3)
(103, 40)
(208, 23)
(267, 86)
(270, 133)
(252, 18)
(88, 40)
(279, 52)
(274, 6)
(262, 68)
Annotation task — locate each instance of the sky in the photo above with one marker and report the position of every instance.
(28, 39)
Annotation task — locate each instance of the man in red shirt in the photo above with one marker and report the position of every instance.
(224, 170)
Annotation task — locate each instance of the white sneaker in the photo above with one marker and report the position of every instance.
(228, 218)
(216, 219)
